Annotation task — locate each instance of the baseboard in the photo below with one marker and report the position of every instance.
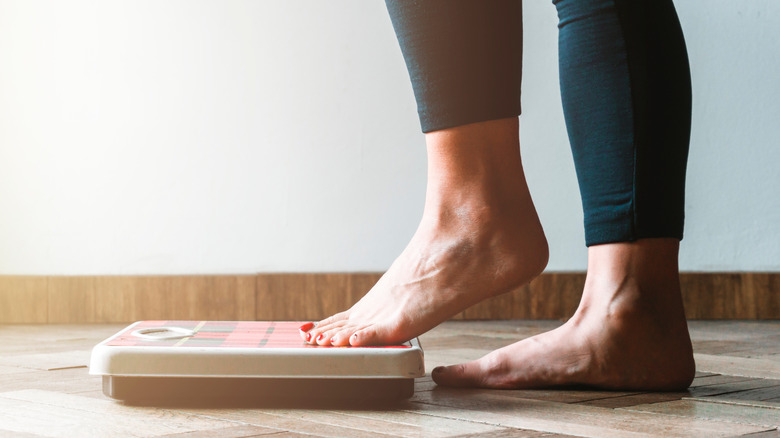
(310, 296)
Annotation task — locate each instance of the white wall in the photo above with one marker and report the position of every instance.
(145, 137)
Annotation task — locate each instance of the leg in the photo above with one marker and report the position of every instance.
(479, 235)
(626, 94)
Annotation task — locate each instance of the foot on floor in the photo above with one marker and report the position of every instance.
(626, 335)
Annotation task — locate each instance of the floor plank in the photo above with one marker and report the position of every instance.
(766, 434)
(50, 413)
(635, 399)
(553, 395)
(576, 419)
(717, 379)
(4, 370)
(730, 330)
(765, 393)
(752, 415)
(53, 338)
(242, 431)
(430, 425)
(48, 361)
(63, 381)
(738, 366)
(280, 421)
(514, 433)
(731, 387)
(396, 423)
(770, 404)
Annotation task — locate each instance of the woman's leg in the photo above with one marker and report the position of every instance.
(626, 92)
(479, 235)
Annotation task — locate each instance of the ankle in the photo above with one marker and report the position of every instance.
(643, 264)
(483, 158)
(636, 284)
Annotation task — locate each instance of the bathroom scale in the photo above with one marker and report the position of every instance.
(247, 361)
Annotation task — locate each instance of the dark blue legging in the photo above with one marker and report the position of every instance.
(625, 86)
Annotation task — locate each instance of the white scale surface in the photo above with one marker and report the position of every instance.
(245, 350)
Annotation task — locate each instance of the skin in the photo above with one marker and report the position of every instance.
(480, 237)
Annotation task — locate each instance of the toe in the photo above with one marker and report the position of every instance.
(320, 339)
(494, 370)
(462, 375)
(315, 335)
(335, 319)
(362, 337)
(325, 337)
(304, 330)
(341, 338)
(373, 335)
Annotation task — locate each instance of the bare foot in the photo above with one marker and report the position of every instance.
(629, 332)
(479, 237)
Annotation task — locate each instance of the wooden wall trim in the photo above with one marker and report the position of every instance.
(310, 296)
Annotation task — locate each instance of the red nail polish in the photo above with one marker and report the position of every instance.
(331, 341)
(319, 338)
(308, 337)
(306, 327)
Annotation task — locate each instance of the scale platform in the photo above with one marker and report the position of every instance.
(247, 360)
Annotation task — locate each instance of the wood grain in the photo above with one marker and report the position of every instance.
(399, 423)
(722, 411)
(229, 432)
(574, 419)
(738, 366)
(106, 299)
(514, 433)
(192, 297)
(71, 299)
(309, 296)
(300, 424)
(23, 299)
(67, 415)
(747, 295)
(313, 296)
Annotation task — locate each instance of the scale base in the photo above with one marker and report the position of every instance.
(247, 390)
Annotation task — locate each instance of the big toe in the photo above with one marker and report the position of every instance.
(331, 321)
(469, 374)
(375, 334)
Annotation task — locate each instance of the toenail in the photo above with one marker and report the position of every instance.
(308, 337)
(320, 337)
(306, 327)
(331, 340)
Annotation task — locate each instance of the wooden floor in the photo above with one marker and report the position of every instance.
(45, 391)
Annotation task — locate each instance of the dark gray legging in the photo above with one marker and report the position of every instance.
(625, 86)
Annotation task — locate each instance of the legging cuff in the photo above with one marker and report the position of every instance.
(450, 117)
(619, 228)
